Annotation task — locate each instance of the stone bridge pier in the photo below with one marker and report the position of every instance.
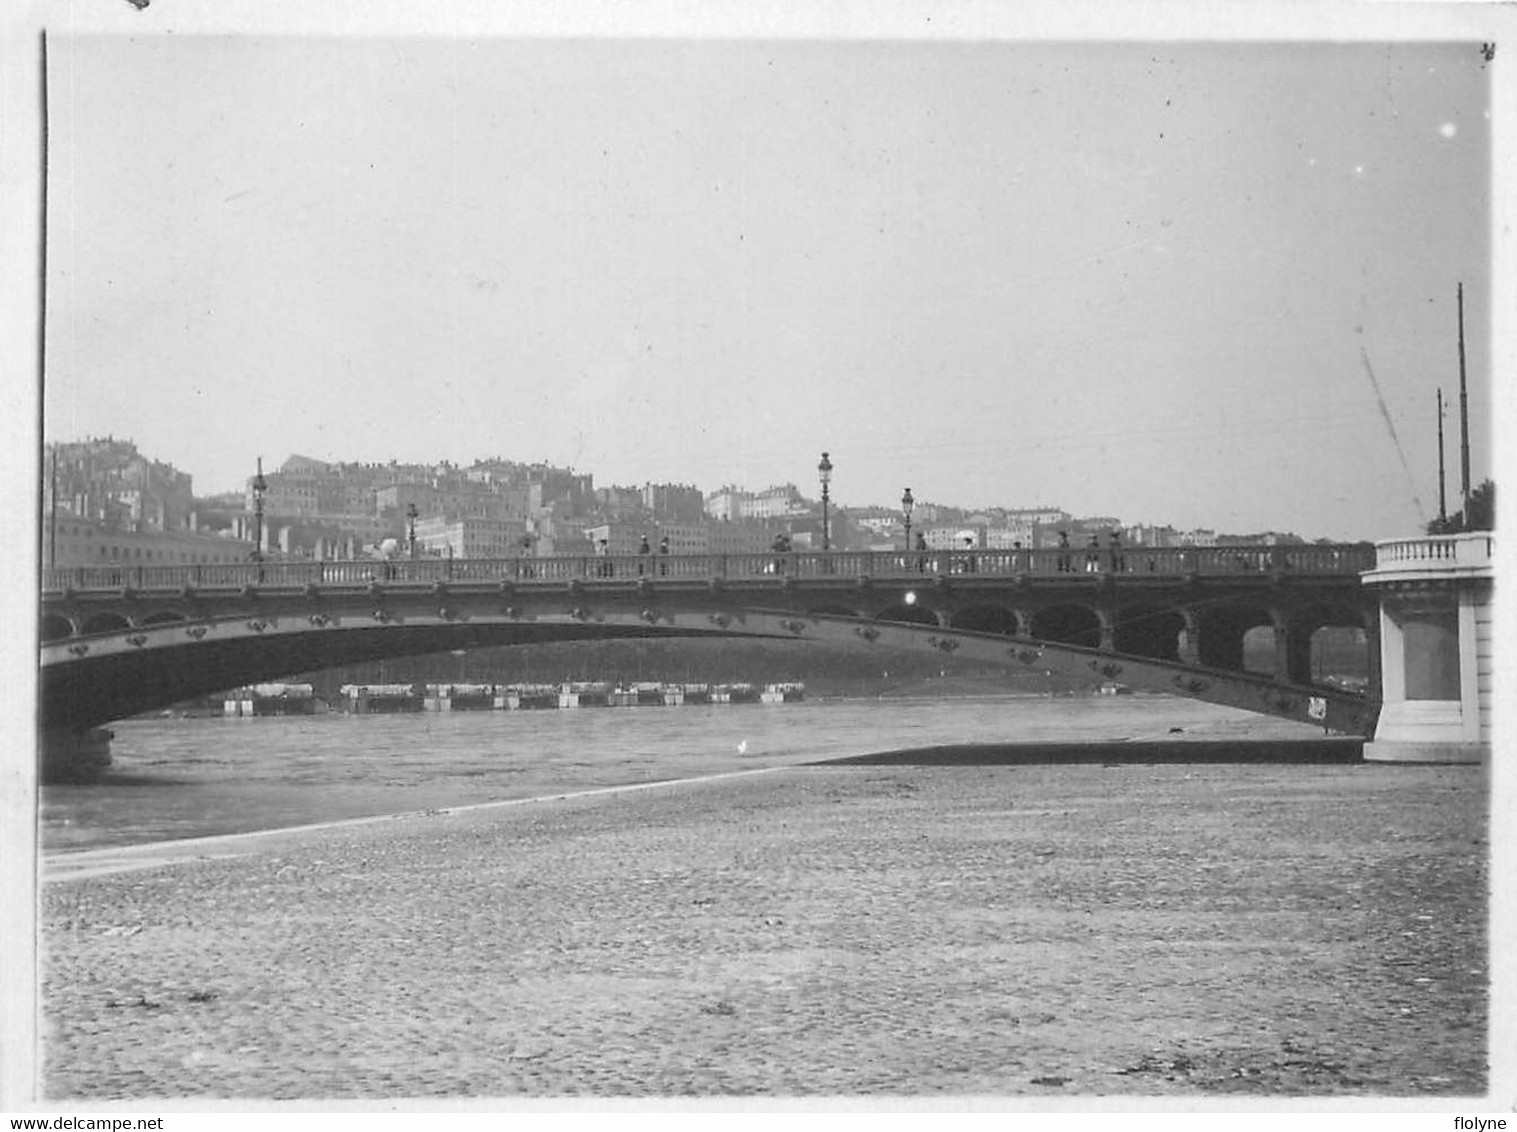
(1436, 647)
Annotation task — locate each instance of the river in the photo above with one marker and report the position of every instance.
(188, 777)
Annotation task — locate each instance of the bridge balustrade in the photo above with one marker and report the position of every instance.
(1346, 560)
(1469, 549)
(1329, 559)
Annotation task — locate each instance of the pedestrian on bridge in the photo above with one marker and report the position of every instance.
(1093, 556)
(1064, 563)
(663, 550)
(644, 548)
(780, 545)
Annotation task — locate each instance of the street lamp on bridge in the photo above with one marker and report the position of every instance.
(906, 505)
(824, 470)
(411, 529)
(260, 486)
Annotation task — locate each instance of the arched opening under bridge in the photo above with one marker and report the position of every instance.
(1237, 635)
(913, 614)
(1258, 655)
(1068, 623)
(1330, 645)
(55, 627)
(105, 623)
(986, 619)
(833, 611)
(1144, 629)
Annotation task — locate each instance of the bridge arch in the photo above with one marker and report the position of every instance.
(55, 627)
(916, 614)
(247, 623)
(834, 610)
(1227, 628)
(1149, 629)
(1069, 623)
(107, 622)
(113, 675)
(1316, 647)
(989, 619)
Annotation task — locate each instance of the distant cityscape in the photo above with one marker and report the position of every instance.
(104, 503)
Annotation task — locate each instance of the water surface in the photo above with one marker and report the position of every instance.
(177, 778)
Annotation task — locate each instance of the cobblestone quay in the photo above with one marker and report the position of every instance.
(1036, 930)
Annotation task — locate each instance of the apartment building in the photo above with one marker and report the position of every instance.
(470, 537)
(69, 540)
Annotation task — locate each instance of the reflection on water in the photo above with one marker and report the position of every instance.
(175, 778)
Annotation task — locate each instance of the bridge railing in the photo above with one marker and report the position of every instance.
(1437, 551)
(1318, 560)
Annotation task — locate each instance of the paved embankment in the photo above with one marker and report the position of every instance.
(969, 930)
(1179, 750)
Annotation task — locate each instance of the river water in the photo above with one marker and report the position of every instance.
(179, 778)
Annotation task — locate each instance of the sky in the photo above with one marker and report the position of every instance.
(1208, 284)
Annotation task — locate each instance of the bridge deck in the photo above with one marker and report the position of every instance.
(1345, 561)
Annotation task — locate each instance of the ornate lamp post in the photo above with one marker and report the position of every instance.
(824, 470)
(260, 486)
(906, 504)
(411, 529)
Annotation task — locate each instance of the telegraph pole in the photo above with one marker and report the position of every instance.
(1442, 509)
(1464, 417)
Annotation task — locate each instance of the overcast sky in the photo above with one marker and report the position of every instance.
(1205, 284)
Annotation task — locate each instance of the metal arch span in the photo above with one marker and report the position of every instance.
(86, 682)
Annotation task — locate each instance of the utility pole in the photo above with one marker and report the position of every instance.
(1464, 417)
(1442, 509)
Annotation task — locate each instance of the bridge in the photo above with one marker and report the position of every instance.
(117, 641)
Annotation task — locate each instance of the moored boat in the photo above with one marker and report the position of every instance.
(460, 697)
(734, 694)
(584, 694)
(270, 699)
(374, 698)
(785, 693)
(526, 696)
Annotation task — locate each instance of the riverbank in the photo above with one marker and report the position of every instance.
(1025, 931)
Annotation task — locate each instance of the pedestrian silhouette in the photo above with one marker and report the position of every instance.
(780, 545)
